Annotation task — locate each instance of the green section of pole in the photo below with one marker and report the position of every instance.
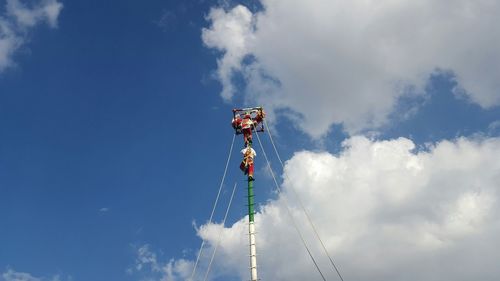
(251, 203)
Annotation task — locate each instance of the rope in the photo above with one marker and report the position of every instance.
(213, 208)
(303, 208)
(288, 208)
(220, 235)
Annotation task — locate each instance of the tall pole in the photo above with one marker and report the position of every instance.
(245, 124)
(251, 231)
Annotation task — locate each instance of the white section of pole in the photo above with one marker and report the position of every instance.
(253, 252)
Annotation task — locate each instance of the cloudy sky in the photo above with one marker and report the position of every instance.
(115, 131)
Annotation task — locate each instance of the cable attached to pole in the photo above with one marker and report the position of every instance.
(213, 208)
(220, 235)
(288, 209)
(302, 206)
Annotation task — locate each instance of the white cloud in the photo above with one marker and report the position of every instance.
(384, 211)
(152, 269)
(349, 61)
(12, 275)
(9, 42)
(18, 20)
(229, 32)
(494, 126)
(47, 10)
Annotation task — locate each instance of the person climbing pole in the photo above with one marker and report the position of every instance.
(247, 164)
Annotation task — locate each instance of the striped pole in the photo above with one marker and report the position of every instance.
(251, 231)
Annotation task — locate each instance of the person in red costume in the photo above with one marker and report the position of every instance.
(247, 164)
(247, 125)
(237, 124)
(260, 116)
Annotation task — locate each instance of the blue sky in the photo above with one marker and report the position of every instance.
(114, 134)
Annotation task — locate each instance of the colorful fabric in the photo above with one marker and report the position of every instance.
(247, 163)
